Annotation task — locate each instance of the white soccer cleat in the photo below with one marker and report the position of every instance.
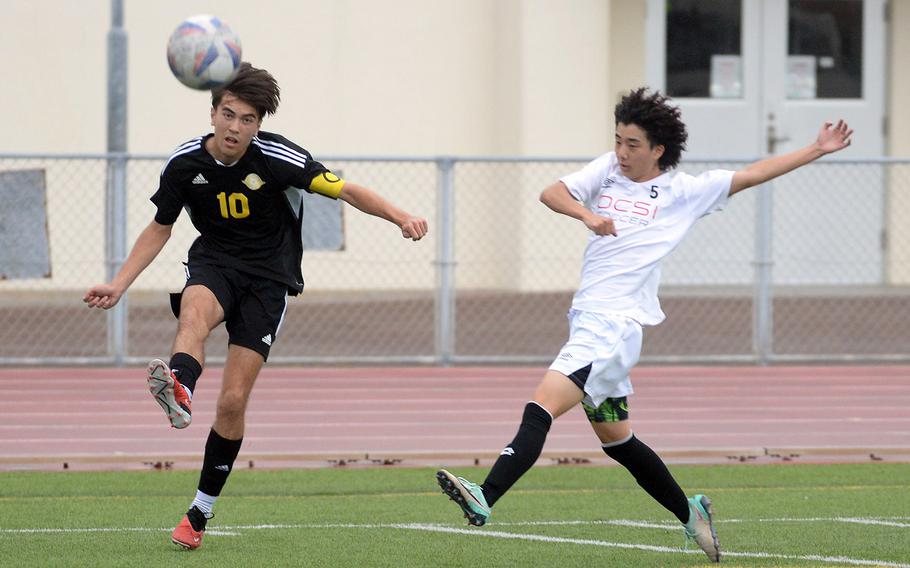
(169, 394)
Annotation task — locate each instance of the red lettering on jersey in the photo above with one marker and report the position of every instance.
(639, 208)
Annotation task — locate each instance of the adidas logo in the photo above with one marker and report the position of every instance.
(267, 339)
(507, 452)
(199, 180)
(223, 467)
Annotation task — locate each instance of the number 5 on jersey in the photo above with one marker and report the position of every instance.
(233, 206)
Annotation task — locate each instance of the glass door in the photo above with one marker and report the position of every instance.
(759, 77)
(755, 77)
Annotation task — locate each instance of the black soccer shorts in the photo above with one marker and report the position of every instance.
(254, 307)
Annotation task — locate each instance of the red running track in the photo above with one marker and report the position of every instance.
(305, 417)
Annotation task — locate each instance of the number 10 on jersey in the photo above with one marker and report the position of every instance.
(233, 206)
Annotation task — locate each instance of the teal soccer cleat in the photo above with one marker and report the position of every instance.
(468, 495)
(700, 527)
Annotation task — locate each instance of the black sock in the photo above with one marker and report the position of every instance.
(652, 474)
(186, 368)
(520, 455)
(220, 454)
(197, 519)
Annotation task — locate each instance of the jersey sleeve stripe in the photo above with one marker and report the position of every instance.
(279, 151)
(195, 141)
(275, 146)
(185, 148)
(284, 158)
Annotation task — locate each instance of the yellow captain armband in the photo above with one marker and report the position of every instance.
(327, 184)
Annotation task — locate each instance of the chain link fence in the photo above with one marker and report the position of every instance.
(813, 267)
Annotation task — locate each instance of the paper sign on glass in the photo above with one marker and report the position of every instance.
(726, 77)
(801, 77)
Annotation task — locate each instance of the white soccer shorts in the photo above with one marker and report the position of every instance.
(610, 344)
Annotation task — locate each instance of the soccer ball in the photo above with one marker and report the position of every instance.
(203, 52)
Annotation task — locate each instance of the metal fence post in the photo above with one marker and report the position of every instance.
(115, 240)
(115, 210)
(445, 261)
(763, 300)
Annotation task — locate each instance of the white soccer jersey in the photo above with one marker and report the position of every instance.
(621, 274)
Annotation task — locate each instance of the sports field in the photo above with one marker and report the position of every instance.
(767, 515)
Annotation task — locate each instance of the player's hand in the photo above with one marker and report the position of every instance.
(102, 296)
(602, 226)
(833, 137)
(414, 228)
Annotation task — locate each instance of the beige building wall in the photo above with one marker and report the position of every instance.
(54, 89)
(414, 77)
(398, 77)
(358, 77)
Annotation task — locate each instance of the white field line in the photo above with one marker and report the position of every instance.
(670, 526)
(875, 522)
(231, 530)
(540, 538)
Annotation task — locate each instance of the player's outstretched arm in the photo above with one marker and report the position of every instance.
(831, 138)
(148, 245)
(558, 198)
(369, 201)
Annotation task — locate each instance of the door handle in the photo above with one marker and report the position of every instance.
(772, 138)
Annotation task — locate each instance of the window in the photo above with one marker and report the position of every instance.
(704, 48)
(825, 49)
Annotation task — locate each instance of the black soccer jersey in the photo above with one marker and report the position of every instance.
(244, 217)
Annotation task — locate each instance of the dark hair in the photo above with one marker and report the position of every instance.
(661, 121)
(255, 87)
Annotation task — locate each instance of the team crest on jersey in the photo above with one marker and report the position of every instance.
(253, 181)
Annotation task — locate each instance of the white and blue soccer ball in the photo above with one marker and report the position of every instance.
(203, 52)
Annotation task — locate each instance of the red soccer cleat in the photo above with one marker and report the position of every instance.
(189, 532)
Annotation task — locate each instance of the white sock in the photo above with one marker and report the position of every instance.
(203, 502)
